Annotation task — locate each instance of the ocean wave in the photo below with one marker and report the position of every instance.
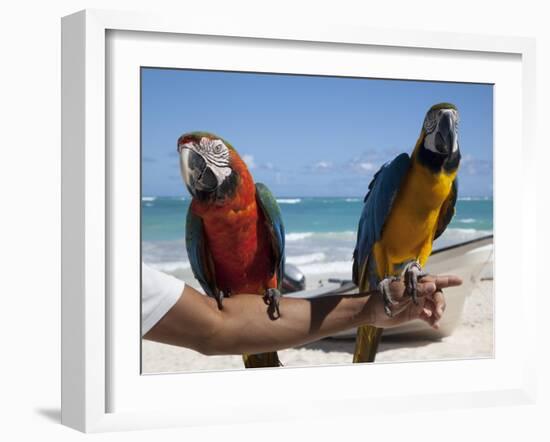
(327, 268)
(306, 259)
(342, 234)
(170, 266)
(298, 236)
(148, 198)
(352, 200)
(289, 200)
(466, 231)
(457, 235)
(466, 220)
(474, 198)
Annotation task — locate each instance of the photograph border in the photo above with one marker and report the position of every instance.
(86, 200)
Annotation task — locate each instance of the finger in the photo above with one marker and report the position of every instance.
(429, 318)
(430, 313)
(429, 309)
(414, 311)
(425, 288)
(434, 316)
(397, 290)
(439, 303)
(443, 281)
(425, 316)
(437, 306)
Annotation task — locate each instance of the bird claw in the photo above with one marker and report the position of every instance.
(384, 289)
(220, 297)
(272, 298)
(219, 300)
(411, 274)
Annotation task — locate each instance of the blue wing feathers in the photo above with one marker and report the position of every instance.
(378, 203)
(197, 252)
(447, 210)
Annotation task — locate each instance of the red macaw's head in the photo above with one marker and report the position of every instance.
(210, 166)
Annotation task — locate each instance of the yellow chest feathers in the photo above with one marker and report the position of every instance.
(409, 230)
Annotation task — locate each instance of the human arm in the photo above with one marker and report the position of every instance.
(243, 325)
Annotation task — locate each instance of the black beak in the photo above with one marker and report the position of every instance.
(445, 136)
(197, 175)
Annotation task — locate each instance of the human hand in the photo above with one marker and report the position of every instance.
(430, 308)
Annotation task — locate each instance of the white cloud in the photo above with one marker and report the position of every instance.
(475, 166)
(267, 166)
(366, 166)
(249, 160)
(322, 165)
(369, 161)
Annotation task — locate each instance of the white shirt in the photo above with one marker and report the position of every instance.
(159, 293)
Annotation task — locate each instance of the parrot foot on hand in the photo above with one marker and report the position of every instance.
(384, 288)
(412, 273)
(271, 298)
(220, 298)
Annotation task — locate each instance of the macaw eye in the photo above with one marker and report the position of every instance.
(218, 148)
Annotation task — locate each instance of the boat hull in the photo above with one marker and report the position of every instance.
(471, 261)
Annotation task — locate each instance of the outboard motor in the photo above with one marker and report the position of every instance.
(293, 279)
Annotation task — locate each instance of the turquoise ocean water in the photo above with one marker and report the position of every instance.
(320, 232)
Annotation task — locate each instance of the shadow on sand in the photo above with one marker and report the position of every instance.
(348, 345)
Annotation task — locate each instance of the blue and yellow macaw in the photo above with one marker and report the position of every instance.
(410, 202)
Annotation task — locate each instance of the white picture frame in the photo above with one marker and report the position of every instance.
(90, 319)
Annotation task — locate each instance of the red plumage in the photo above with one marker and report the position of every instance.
(238, 238)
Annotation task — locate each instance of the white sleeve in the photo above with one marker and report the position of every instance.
(159, 293)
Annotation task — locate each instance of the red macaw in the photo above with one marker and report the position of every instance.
(234, 233)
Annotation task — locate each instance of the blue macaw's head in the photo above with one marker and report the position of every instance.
(206, 166)
(438, 147)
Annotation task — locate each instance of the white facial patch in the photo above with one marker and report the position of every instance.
(216, 154)
(431, 127)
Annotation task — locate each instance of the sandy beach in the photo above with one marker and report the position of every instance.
(472, 338)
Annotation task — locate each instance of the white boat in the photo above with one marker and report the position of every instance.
(471, 261)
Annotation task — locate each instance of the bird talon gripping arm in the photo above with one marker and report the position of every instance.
(409, 203)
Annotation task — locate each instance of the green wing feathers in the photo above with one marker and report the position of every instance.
(274, 222)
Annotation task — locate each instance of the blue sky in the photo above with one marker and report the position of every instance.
(303, 135)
